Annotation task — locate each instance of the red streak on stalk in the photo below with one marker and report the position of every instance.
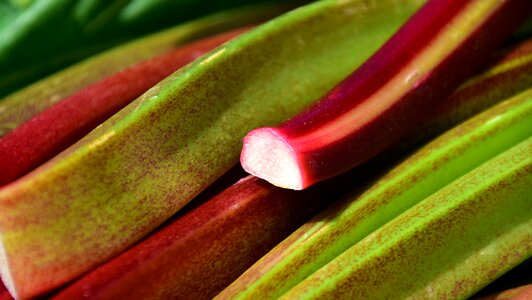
(300, 153)
(61, 125)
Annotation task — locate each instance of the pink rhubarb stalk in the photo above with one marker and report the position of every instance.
(56, 128)
(388, 96)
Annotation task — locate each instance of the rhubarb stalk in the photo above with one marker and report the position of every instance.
(138, 168)
(59, 126)
(448, 246)
(173, 261)
(348, 222)
(25, 104)
(48, 35)
(420, 66)
(199, 253)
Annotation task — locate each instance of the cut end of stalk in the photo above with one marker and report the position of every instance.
(267, 155)
(5, 273)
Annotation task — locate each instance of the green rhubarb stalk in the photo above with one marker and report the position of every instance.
(23, 105)
(141, 166)
(446, 247)
(428, 170)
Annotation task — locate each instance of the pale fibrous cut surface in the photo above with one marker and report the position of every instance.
(267, 154)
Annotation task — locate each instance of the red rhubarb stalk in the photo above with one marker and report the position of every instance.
(199, 253)
(250, 217)
(388, 96)
(59, 126)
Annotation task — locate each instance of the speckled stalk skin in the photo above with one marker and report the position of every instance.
(61, 125)
(146, 162)
(21, 106)
(510, 72)
(140, 272)
(414, 72)
(448, 246)
(201, 252)
(519, 293)
(431, 168)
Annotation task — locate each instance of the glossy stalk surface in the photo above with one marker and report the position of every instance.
(443, 44)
